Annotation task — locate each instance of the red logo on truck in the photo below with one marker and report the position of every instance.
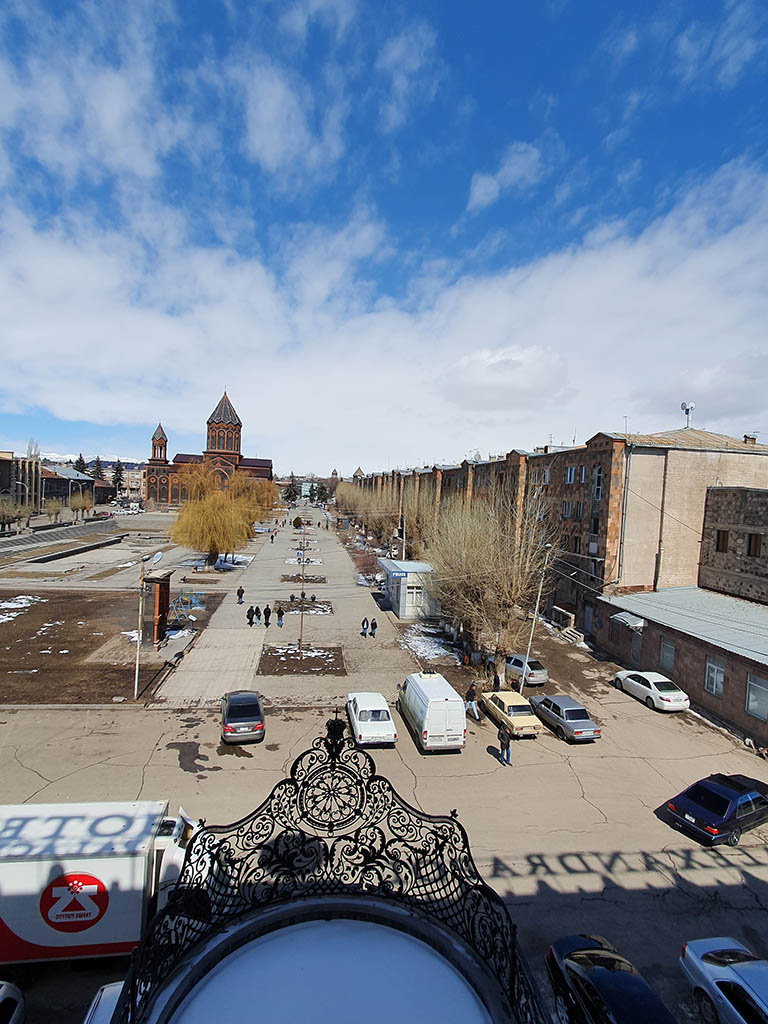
(72, 903)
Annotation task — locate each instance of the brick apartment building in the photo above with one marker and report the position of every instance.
(734, 543)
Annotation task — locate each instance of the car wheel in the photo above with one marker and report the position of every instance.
(734, 837)
(618, 684)
(561, 1011)
(560, 733)
(706, 1007)
(649, 703)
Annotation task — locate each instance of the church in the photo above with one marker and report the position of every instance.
(222, 455)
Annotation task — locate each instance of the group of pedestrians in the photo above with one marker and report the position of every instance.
(254, 614)
(366, 627)
(504, 735)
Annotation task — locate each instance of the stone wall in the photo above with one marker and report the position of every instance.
(739, 511)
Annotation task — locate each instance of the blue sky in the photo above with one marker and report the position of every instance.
(396, 233)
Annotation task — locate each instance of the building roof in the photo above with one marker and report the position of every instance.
(187, 458)
(730, 623)
(159, 434)
(358, 472)
(391, 565)
(257, 463)
(689, 437)
(225, 413)
(72, 474)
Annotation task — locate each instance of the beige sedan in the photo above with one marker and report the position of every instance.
(507, 707)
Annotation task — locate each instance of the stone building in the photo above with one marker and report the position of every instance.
(164, 485)
(734, 545)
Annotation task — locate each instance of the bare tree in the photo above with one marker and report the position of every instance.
(418, 513)
(489, 557)
(52, 509)
(214, 524)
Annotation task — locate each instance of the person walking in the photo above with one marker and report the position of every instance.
(280, 618)
(267, 615)
(364, 627)
(505, 738)
(257, 613)
(272, 538)
(470, 701)
(496, 682)
(240, 593)
(374, 627)
(250, 614)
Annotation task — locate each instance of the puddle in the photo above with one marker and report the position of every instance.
(273, 746)
(190, 758)
(233, 748)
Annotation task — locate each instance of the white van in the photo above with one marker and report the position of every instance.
(433, 709)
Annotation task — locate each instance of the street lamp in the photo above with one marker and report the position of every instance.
(547, 549)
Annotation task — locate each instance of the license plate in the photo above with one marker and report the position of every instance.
(243, 728)
(690, 817)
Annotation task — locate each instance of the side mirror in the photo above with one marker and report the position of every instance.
(399, 686)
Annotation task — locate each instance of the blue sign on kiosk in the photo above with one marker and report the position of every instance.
(398, 575)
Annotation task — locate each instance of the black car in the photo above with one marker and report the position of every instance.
(242, 717)
(720, 808)
(594, 984)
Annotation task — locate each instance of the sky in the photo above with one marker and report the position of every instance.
(397, 234)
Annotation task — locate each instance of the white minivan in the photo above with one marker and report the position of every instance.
(433, 709)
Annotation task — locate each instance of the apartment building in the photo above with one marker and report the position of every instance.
(734, 545)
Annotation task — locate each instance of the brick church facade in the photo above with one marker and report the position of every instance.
(165, 486)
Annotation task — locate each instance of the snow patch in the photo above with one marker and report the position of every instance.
(427, 643)
(133, 635)
(14, 606)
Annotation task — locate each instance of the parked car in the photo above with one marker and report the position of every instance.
(104, 1004)
(369, 719)
(594, 984)
(654, 689)
(570, 721)
(534, 671)
(11, 1004)
(434, 711)
(729, 982)
(720, 808)
(510, 708)
(242, 717)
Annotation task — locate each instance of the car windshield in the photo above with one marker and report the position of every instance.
(576, 715)
(708, 799)
(243, 712)
(535, 666)
(665, 686)
(725, 957)
(517, 709)
(374, 716)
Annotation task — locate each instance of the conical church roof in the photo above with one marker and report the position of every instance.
(159, 434)
(225, 413)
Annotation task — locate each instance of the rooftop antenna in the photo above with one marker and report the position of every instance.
(626, 431)
(687, 408)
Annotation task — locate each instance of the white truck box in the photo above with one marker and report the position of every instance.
(434, 710)
(77, 880)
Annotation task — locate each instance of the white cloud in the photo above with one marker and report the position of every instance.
(522, 166)
(298, 16)
(719, 52)
(408, 64)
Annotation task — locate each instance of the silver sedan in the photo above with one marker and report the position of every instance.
(570, 721)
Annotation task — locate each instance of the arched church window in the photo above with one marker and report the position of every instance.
(229, 440)
(221, 439)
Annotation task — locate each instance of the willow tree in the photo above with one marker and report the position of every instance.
(214, 524)
(196, 479)
(489, 557)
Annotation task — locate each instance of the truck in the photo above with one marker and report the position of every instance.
(82, 880)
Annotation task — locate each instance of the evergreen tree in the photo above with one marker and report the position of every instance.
(322, 492)
(80, 465)
(117, 476)
(312, 493)
(291, 491)
(98, 470)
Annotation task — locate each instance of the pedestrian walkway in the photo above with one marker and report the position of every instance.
(226, 656)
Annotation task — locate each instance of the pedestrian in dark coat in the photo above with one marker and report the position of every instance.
(470, 701)
(280, 618)
(240, 593)
(249, 615)
(364, 627)
(257, 613)
(374, 627)
(272, 538)
(496, 682)
(505, 738)
(267, 616)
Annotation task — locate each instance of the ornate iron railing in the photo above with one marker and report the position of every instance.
(332, 827)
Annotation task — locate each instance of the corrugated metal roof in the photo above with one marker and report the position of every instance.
(391, 565)
(633, 621)
(740, 627)
(72, 474)
(689, 437)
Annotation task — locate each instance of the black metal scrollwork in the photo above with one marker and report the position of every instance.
(332, 827)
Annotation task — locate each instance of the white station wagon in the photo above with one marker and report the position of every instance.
(370, 719)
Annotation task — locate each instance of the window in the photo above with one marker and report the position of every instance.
(595, 524)
(570, 474)
(415, 595)
(667, 653)
(579, 510)
(742, 1003)
(714, 676)
(721, 540)
(577, 545)
(545, 476)
(597, 483)
(582, 474)
(744, 806)
(566, 510)
(754, 545)
(757, 697)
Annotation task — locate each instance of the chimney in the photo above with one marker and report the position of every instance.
(750, 439)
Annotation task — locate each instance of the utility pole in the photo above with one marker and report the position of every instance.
(547, 549)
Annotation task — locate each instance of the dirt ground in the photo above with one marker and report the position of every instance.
(287, 661)
(69, 648)
(296, 578)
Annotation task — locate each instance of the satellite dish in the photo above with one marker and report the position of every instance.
(683, 406)
(156, 557)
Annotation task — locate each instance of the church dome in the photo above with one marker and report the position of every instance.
(225, 413)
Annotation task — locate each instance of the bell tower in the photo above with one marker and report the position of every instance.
(224, 426)
(159, 445)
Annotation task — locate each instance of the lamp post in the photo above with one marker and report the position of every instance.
(547, 549)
